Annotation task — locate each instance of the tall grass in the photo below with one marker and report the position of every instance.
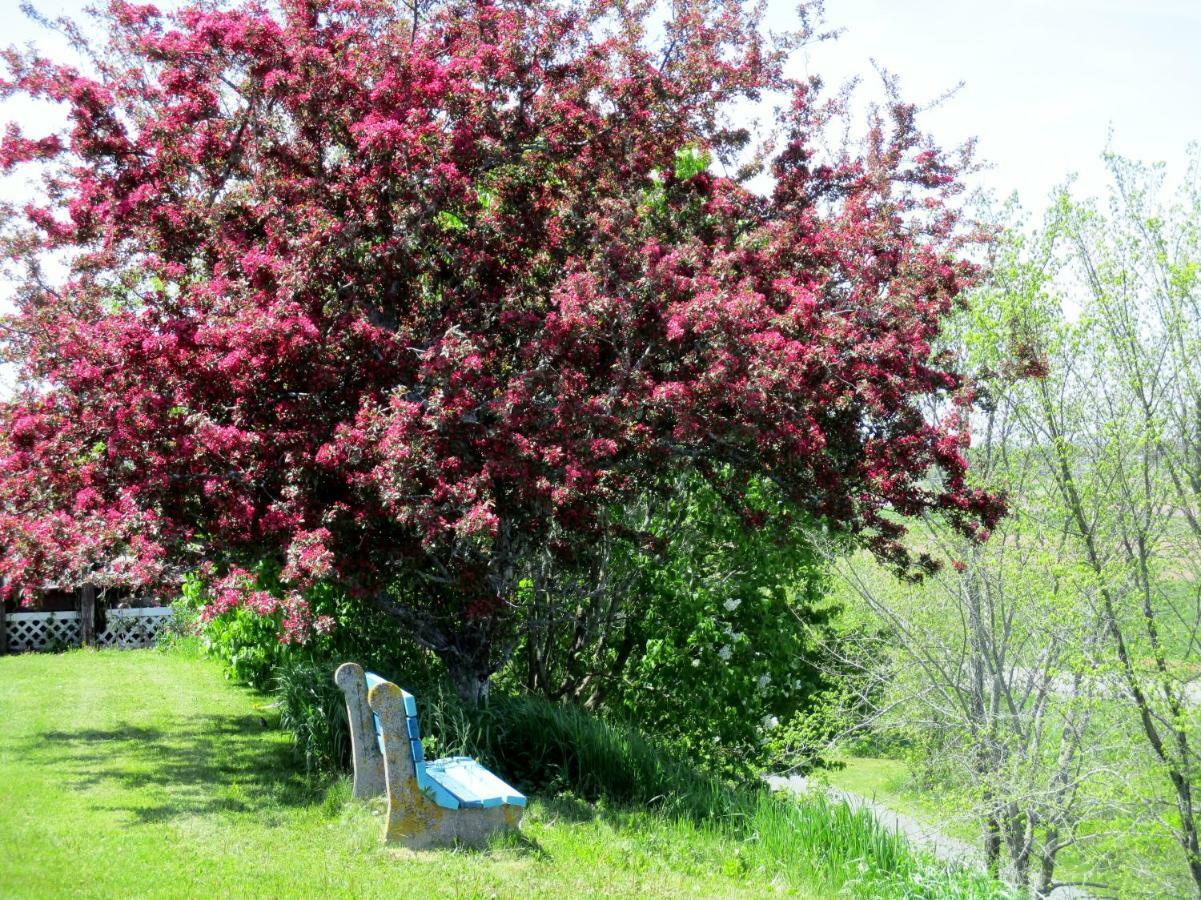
(313, 711)
(548, 747)
(813, 838)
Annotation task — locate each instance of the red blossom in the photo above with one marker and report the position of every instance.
(369, 300)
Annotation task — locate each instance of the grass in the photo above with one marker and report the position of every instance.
(889, 781)
(1114, 846)
(145, 773)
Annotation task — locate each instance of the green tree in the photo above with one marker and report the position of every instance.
(1055, 665)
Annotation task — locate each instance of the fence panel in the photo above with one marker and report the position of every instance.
(125, 628)
(129, 628)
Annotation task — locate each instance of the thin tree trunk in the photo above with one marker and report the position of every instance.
(1187, 836)
(1046, 867)
(992, 839)
(87, 615)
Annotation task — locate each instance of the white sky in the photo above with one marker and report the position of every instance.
(1045, 83)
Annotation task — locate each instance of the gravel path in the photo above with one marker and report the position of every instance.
(927, 837)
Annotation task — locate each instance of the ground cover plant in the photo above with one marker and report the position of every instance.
(412, 297)
(146, 772)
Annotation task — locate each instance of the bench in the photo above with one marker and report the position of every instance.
(430, 804)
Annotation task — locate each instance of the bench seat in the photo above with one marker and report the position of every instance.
(470, 784)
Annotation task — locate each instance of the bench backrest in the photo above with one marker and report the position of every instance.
(412, 727)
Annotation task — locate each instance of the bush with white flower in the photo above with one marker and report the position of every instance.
(725, 626)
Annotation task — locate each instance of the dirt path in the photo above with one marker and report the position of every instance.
(921, 835)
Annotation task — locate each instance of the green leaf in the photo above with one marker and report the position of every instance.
(489, 199)
(691, 161)
(448, 221)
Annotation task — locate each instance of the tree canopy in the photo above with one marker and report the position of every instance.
(406, 295)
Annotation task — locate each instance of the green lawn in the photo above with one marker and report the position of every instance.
(145, 773)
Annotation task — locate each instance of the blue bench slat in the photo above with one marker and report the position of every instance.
(471, 783)
(441, 795)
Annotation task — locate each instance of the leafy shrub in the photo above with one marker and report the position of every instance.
(247, 644)
(251, 651)
(312, 710)
(719, 615)
(716, 630)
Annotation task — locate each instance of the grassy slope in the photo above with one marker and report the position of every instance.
(1135, 861)
(889, 782)
(144, 773)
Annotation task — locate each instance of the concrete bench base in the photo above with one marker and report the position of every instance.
(416, 822)
(415, 819)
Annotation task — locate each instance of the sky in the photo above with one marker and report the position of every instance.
(1047, 85)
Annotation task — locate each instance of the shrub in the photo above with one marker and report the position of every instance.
(247, 645)
(251, 650)
(704, 636)
(312, 710)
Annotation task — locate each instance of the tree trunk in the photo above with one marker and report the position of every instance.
(87, 615)
(472, 678)
(3, 629)
(472, 655)
(472, 651)
(1015, 824)
(992, 840)
(1046, 867)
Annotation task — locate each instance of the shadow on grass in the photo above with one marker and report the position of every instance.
(516, 842)
(199, 765)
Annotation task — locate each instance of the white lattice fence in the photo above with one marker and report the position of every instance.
(42, 630)
(126, 628)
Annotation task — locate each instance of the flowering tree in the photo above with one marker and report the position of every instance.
(403, 298)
